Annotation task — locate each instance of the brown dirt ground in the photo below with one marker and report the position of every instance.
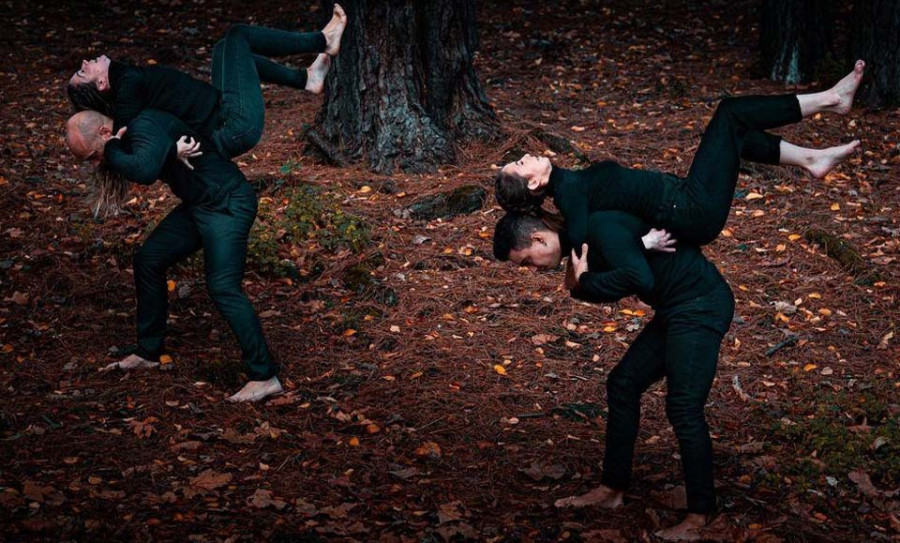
(403, 430)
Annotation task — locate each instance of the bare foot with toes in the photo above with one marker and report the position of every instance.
(315, 74)
(602, 496)
(255, 391)
(334, 30)
(131, 362)
(845, 89)
(825, 160)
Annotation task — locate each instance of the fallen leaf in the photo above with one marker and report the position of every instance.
(263, 498)
(209, 480)
(429, 450)
(499, 369)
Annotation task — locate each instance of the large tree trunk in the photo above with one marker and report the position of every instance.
(876, 39)
(795, 37)
(403, 91)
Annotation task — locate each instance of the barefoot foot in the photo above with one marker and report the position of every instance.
(315, 74)
(255, 391)
(131, 362)
(688, 530)
(602, 496)
(845, 89)
(825, 160)
(334, 30)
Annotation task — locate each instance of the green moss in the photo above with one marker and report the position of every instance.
(303, 214)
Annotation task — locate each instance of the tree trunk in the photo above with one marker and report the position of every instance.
(403, 91)
(795, 37)
(876, 39)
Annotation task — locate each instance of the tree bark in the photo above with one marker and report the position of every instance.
(795, 37)
(403, 92)
(876, 39)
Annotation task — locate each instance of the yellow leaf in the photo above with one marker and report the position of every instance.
(365, 189)
(349, 332)
(354, 442)
(577, 129)
(726, 233)
(171, 285)
(609, 329)
(794, 237)
(416, 375)
(499, 369)
(758, 213)
(165, 359)
(809, 367)
(389, 378)
(835, 207)
(825, 312)
(753, 196)
(815, 295)
(781, 247)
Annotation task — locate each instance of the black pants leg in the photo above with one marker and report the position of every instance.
(700, 215)
(642, 365)
(175, 239)
(223, 234)
(681, 344)
(236, 73)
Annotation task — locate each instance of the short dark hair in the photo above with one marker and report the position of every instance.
(87, 96)
(514, 196)
(513, 232)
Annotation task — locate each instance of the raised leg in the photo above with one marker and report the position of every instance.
(235, 74)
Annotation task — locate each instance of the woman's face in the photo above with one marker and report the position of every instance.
(534, 169)
(93, 71)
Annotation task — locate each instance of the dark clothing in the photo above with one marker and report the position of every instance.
(135, 89)
(618, 266)
(147, 152)
(695, 208)
(694, 308)
(238, 68)
(229, 112)
(222, 233)
(217, 209)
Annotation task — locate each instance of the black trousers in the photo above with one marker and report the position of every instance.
(222, 232)
(680, 344)
(239, 64)
(696, 211)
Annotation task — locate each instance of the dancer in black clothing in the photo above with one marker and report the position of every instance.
(694, 308)
(230, 111)
(695, 208)
(217, 209)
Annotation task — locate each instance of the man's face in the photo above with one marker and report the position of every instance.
(93, 71)
(544, 253)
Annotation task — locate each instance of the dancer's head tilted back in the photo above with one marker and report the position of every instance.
(86, 135)
(528, 240)
(88, 88)
(521, 185)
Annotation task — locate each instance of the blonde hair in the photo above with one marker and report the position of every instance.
(83, 137)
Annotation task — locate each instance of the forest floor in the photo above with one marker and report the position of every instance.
(457, 397)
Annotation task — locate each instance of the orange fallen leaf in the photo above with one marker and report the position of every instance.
(499, 369)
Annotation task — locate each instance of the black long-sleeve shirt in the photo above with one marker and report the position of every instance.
(618, 266)
(607, 186)
(135, 89)
(148, 152)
